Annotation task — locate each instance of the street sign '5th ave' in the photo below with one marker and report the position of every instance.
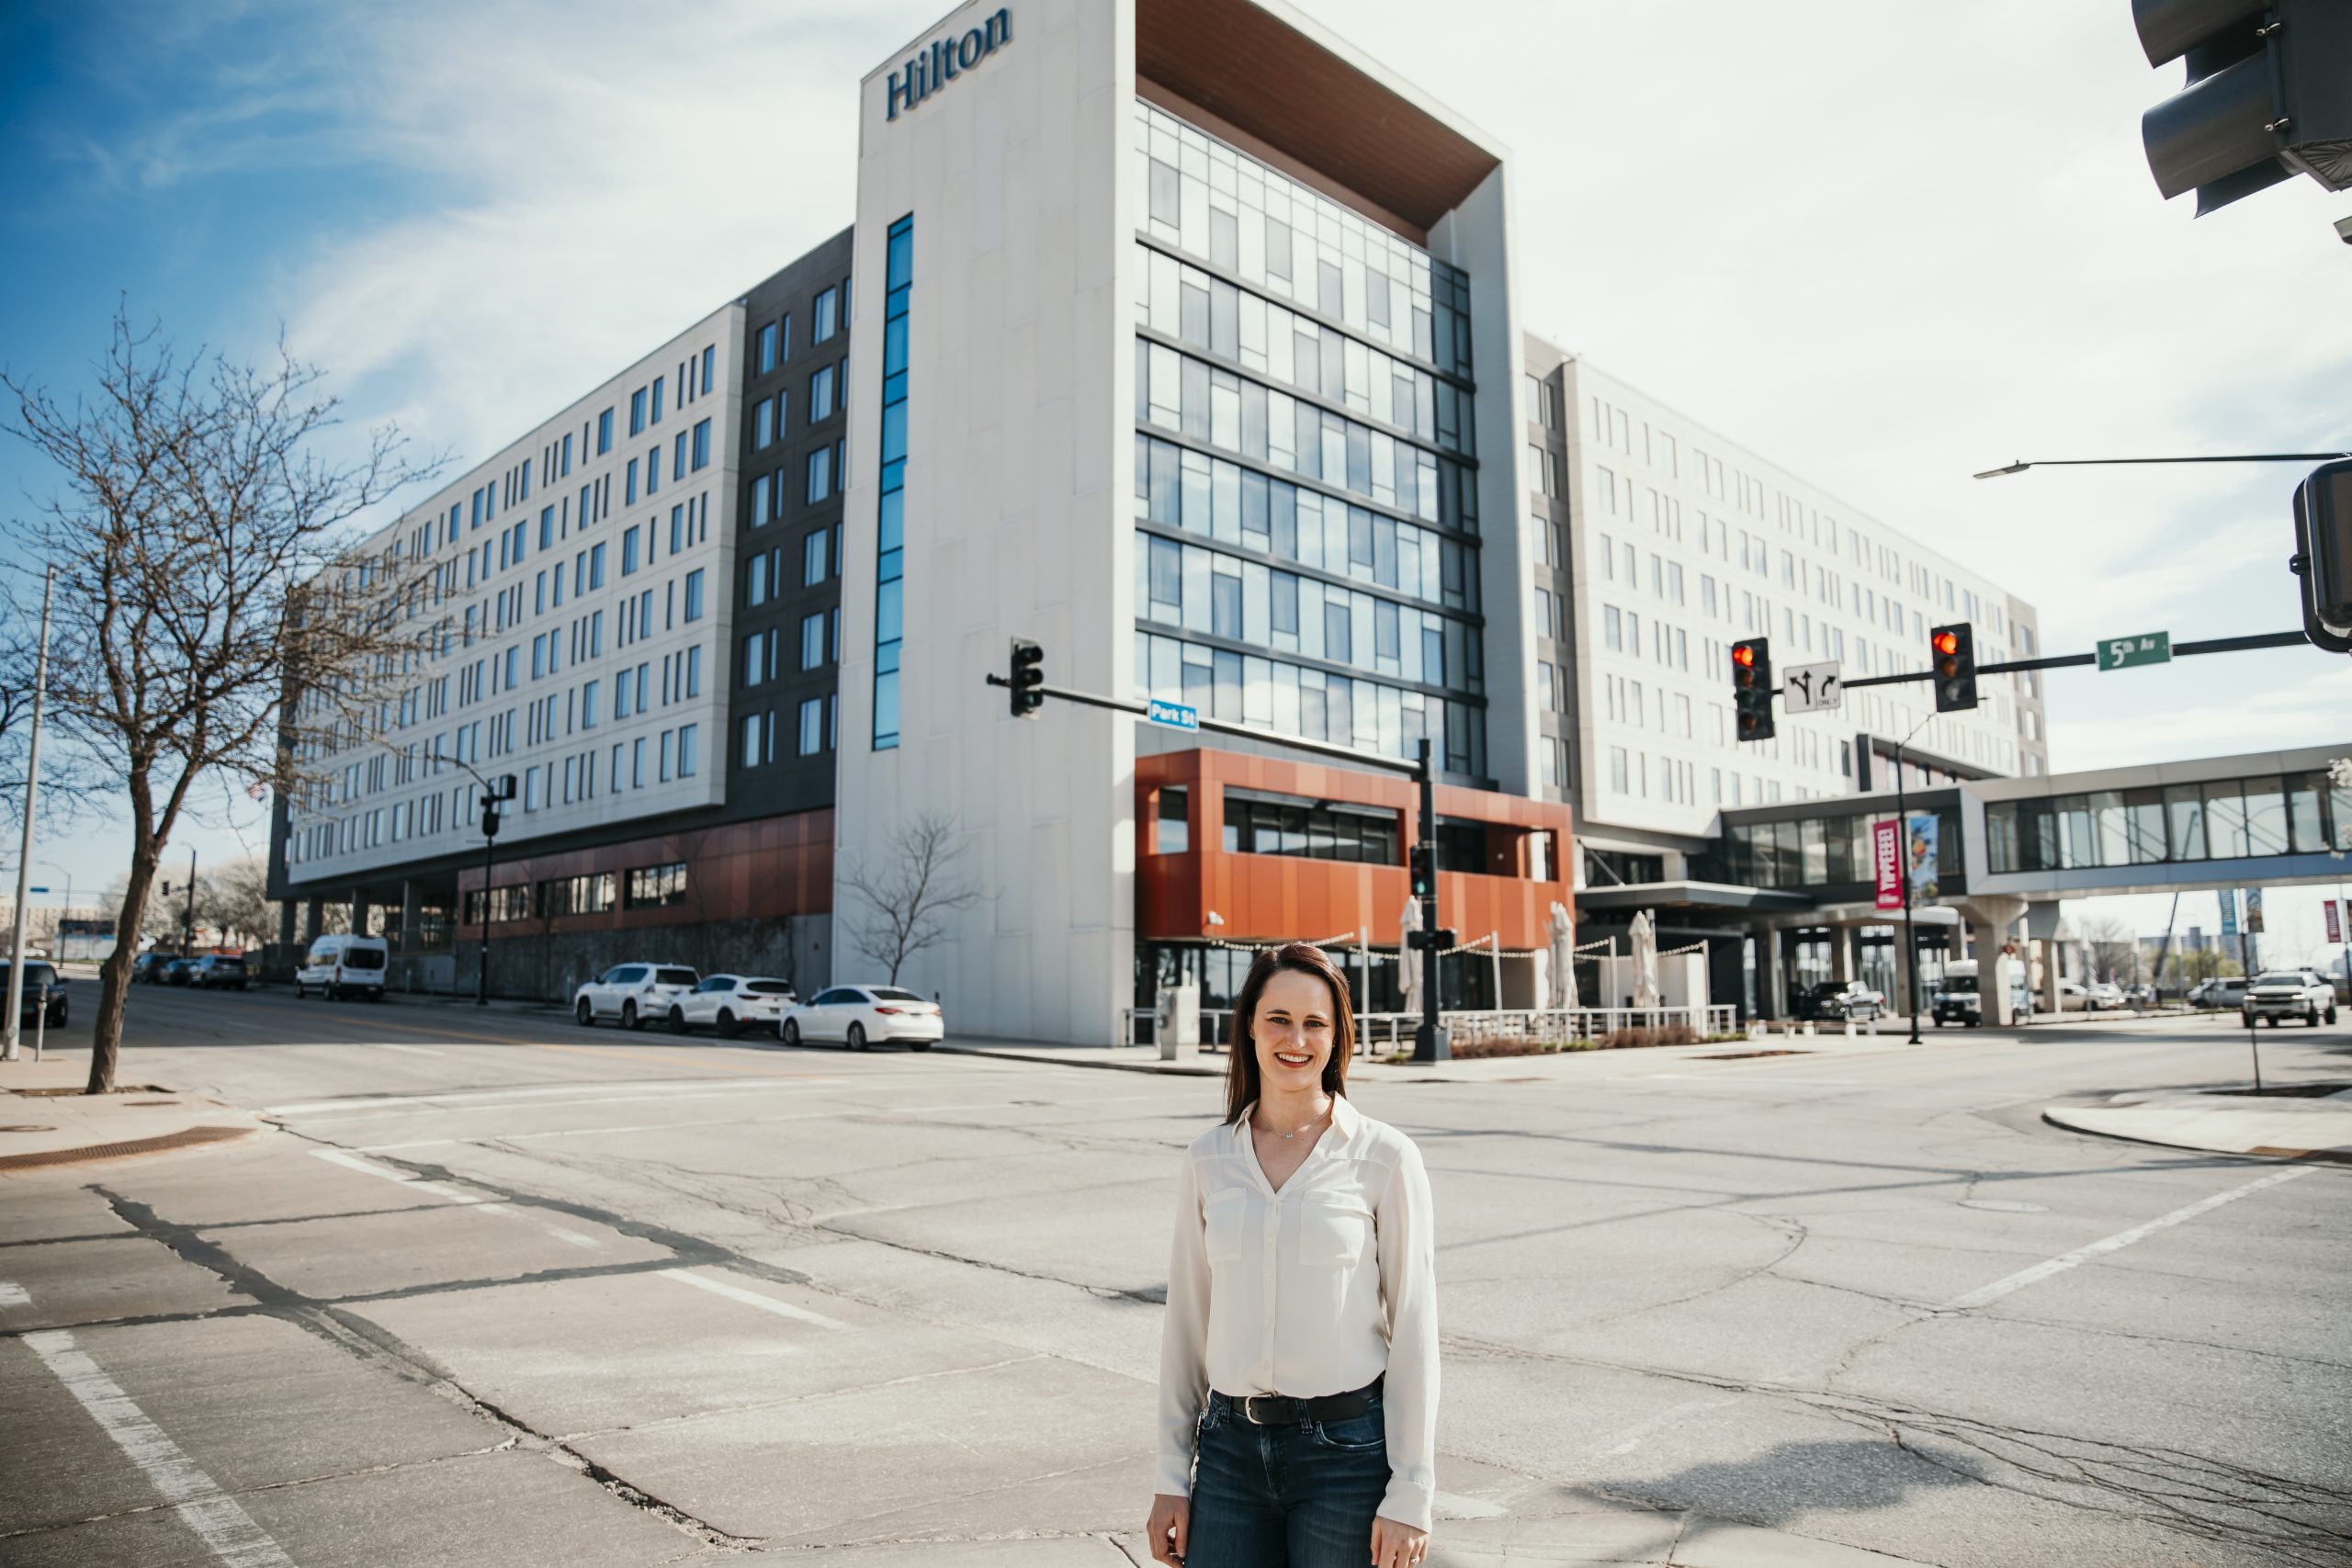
(2122, 652)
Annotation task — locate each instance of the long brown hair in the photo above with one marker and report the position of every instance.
(1241, 1072)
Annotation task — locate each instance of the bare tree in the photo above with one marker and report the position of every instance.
(205, 572)
(234, 900)
(912, 894)
(2113, 950)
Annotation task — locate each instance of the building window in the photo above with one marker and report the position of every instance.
(767, 348)
(891, 532)
(812, 641)
(821, 395)
(813, 559)
(693, 594)
(763, 434)
(636, 412)
(657, 886)
(604, 432)
(1257, 823)
(828, 308)
(689, 750)
(820, 475)
(702, 446)
(812, 726)
(1173, 833)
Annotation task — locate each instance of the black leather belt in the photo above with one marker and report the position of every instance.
(1283, 1410)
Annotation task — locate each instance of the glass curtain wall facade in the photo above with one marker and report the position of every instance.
(891, 529)
(2218, 819)
(1305, 503)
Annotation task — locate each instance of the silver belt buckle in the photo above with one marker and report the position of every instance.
(1249, 1410)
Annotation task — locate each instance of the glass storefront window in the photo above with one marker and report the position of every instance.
(2306, 829)
(2144, 825)
(2184, 803)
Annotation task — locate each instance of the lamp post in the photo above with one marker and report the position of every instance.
(493, 795)
(1902, 863)
(2021, 466)
(16, 1003)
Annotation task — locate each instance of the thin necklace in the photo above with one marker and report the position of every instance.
(1295, 1132)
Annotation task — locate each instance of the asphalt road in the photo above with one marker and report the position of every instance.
(501, 1290)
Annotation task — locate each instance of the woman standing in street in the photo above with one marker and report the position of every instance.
(1298, 1368)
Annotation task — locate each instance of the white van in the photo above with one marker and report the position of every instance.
(338, 965)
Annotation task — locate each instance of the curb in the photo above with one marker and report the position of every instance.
(186, 1138)
(1153, 1068)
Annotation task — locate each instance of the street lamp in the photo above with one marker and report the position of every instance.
(2021, 466)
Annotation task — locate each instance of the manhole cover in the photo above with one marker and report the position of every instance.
(2003, 1206)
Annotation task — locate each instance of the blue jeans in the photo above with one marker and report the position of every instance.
(1295, 1496)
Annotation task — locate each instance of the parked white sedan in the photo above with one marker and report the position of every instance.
(858, 1016)
(731, 1004)
(636, 994)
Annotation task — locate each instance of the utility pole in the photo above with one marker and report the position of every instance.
(493, 795)
(188, 920)
(8, 1041)
(1903, 857)
(1430, 1038)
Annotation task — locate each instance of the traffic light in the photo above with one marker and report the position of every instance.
(1424, 859)
(489, 819)
(1952, 650)
(2269, 95)
(1028, 674)
(1751, 688)
(2323, 555)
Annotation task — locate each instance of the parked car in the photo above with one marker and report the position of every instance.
(1835, 1000)
(2280, 994)
(2105, 995)
(218, 971)
(176, 972)
(339, 964)
(2139, 996)
(2227, 992)
(729, 1003)
(858, 1016)
(148, 968)
(38, 973)
(634, 994)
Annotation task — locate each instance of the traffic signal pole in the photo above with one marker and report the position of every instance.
(1431, 1037)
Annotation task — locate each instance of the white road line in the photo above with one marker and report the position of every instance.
(460, 1097)
(12, 1295)
(438, 1190)
(1736, 1081)
(2116, 1243)
(412, 1050)
(750, 1298)
(223, 1525)
(424, 1143)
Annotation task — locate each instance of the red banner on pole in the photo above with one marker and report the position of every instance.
(1886, 853)
(2335, 931)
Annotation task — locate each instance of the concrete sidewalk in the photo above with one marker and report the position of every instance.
(1482, 1069)
(46, 1121)
(2289, 1126)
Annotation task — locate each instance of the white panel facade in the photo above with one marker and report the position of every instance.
(1683, 542)
(580, 613)
(1019, 363)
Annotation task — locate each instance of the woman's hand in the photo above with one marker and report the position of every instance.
(1171, 1519)
(1393, 1545)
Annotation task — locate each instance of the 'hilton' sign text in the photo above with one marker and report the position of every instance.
(947, 58)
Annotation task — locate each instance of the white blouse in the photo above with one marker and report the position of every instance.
(1318, 1289)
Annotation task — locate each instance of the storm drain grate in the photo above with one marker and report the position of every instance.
(186, 1138)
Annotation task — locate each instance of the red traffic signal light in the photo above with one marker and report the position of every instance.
(1743, 655)
(1954, 648)
(1947, 641)
(1751, 688)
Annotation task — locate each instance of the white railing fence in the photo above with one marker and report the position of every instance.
(1382, 1033)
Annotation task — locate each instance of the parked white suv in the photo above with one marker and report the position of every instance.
(636, 994)
(2280, 994)
(730, 1003)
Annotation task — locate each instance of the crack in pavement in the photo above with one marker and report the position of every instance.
(377, 1347)
(2167, 1487)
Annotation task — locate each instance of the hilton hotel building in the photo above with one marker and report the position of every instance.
(1175, 335)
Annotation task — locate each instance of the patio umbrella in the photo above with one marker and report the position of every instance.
(1408, 960)
(1563, 940)
(1645, 935)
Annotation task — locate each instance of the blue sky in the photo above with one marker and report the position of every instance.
(1884, 256)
